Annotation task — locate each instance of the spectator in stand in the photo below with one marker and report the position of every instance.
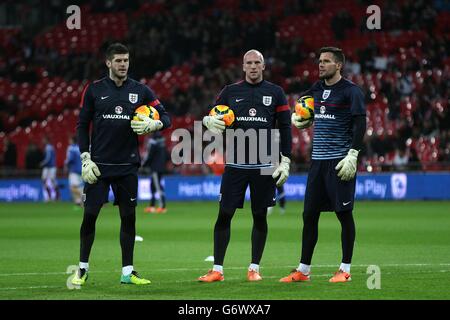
(414, 161)
(405, 85)
(203, 26)
(382, 144)
(33, 156)
(401, 159)
(352, 67)
(10, 155)
(340, 23)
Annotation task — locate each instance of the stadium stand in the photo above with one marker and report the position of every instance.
(186, 51)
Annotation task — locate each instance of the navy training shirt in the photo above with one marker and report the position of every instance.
(334, 107)
(257, 106)
(113, 145)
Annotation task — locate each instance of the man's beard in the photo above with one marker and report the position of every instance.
(327, 76)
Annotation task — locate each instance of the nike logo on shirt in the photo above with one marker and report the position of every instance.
(103, 98)
(239, 100)
(346, 203)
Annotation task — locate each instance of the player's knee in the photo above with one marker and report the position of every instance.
(92, 210)
(226, 211)
(126, 211)
(344, 215)
(128, 224)
(310, 217)
(260, 212)
(89, 219)
(260, 219)
(224, 218)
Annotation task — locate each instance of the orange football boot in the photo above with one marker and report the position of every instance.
(341, 276)
(161, 210)
(296, 276)
(212, 276)
(149, 209)
(253, 275)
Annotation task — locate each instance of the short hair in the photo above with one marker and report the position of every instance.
(259, 54)
(337, 53)
(116, 48)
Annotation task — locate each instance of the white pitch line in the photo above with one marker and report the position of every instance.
(234, 268)
(36, 287)
(194, 280)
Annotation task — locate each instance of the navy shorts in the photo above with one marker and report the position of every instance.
(235, 182)
(325, 191)
(123, 187)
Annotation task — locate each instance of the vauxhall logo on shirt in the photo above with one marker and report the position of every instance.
(253, 117)
(323, 109)
(118, 114)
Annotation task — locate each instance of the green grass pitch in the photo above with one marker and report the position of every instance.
(408, 241)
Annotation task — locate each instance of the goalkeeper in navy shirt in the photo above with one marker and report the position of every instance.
(110, 154)
(339, 128)
(259, 106)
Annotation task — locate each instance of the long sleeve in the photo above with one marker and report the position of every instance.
(85, 118)
(359, 130)
(283, 115)
(153, 101)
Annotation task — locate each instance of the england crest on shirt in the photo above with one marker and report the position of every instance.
(326, 94)
(267, 100)
(133, 97)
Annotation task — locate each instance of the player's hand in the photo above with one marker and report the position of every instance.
(299, 123)
(146, 125)
(282, 171)
(214, 123)
(89, 170)
(347, 166)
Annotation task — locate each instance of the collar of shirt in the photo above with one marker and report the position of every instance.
(253, 85)
(112, 83)
(341, 80)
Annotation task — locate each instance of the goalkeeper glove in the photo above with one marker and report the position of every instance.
(146, 125)
(299, 123)
(347, 166)
(282, 171)
(214, 123)
(89, 170)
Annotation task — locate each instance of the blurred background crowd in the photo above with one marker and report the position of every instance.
(186, 51)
